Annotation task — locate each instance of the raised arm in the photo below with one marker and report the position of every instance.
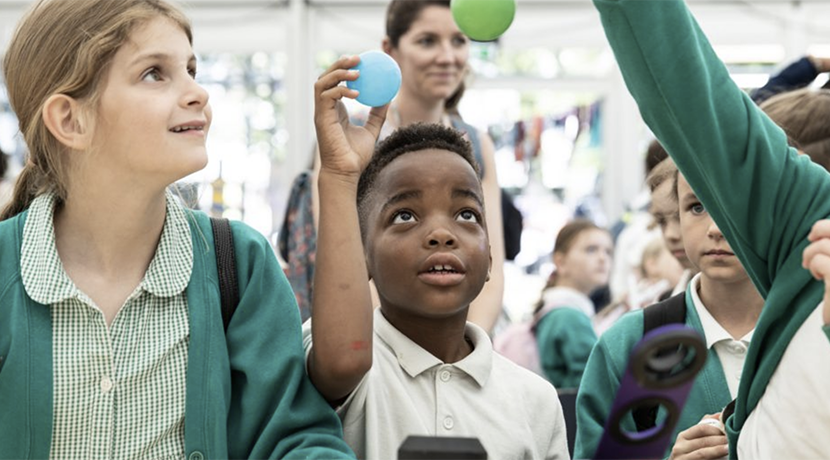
(759, 191)
(341, 325)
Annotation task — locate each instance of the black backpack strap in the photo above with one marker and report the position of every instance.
(226, 267)
(669, 311)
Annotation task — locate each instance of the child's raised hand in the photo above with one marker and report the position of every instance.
(344, 148)
(816, 258)
(701, 441)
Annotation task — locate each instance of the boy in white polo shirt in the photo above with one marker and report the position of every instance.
(414, 366)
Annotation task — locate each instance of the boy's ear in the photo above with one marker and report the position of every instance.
(490, 265)
(368, 270)
(62, 117)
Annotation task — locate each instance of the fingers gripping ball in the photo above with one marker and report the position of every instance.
(379, 80)
(483, 20)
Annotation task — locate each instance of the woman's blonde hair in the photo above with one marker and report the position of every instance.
(804, 115)
(65, 47)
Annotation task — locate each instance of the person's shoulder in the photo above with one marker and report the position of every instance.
(11, 231)
(569, 312)
(248, 235)
(11, 234)
(520, 380)
(243, 234)
(627, 329)
(11, 224)
(522, 394)
(459, 123)
(563, 317)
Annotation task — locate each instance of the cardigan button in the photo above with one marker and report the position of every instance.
(196, 455)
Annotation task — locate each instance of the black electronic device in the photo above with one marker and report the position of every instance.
(441, 448)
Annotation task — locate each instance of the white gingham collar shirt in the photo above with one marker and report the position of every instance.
(119, 391)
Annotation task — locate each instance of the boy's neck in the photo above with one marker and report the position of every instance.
(442, 337)
(735, 306)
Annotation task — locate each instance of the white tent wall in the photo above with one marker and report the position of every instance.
(779, 30)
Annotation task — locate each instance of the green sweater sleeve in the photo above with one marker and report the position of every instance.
(565, 337)
(761, 193)
(275, 410)
(736, 159)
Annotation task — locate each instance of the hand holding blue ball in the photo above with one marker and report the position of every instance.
(379, 80)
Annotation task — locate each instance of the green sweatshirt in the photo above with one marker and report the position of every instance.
(606, 367)
(763, 196)
(565, 337)
(248, 395)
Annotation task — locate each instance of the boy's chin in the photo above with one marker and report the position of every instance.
(435, 312)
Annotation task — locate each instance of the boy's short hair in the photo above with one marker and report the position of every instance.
(665, 170)
(803, 115)
(412, 138)
(655, 154)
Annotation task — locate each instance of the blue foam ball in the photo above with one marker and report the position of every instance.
(379, 80)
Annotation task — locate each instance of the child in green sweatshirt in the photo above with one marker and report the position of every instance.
(765, 198)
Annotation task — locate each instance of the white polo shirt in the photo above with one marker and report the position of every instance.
(513, 412)
(731, 352)
(792, 417)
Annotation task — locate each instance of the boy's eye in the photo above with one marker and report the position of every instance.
(468, 216)
(403, 217)
(192, 71)
(152, 75)
(697, 209)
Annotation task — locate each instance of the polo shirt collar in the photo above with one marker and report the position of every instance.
(41, 269)
(712, 330)
(562, 296)
(414, 360)
(169, 272)
(47, 283)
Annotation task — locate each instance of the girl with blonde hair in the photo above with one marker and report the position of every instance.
(111, 338)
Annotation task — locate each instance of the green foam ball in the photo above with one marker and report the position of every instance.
(483, 20)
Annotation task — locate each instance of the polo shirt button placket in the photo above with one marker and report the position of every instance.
(448, 422)
(446, 376)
